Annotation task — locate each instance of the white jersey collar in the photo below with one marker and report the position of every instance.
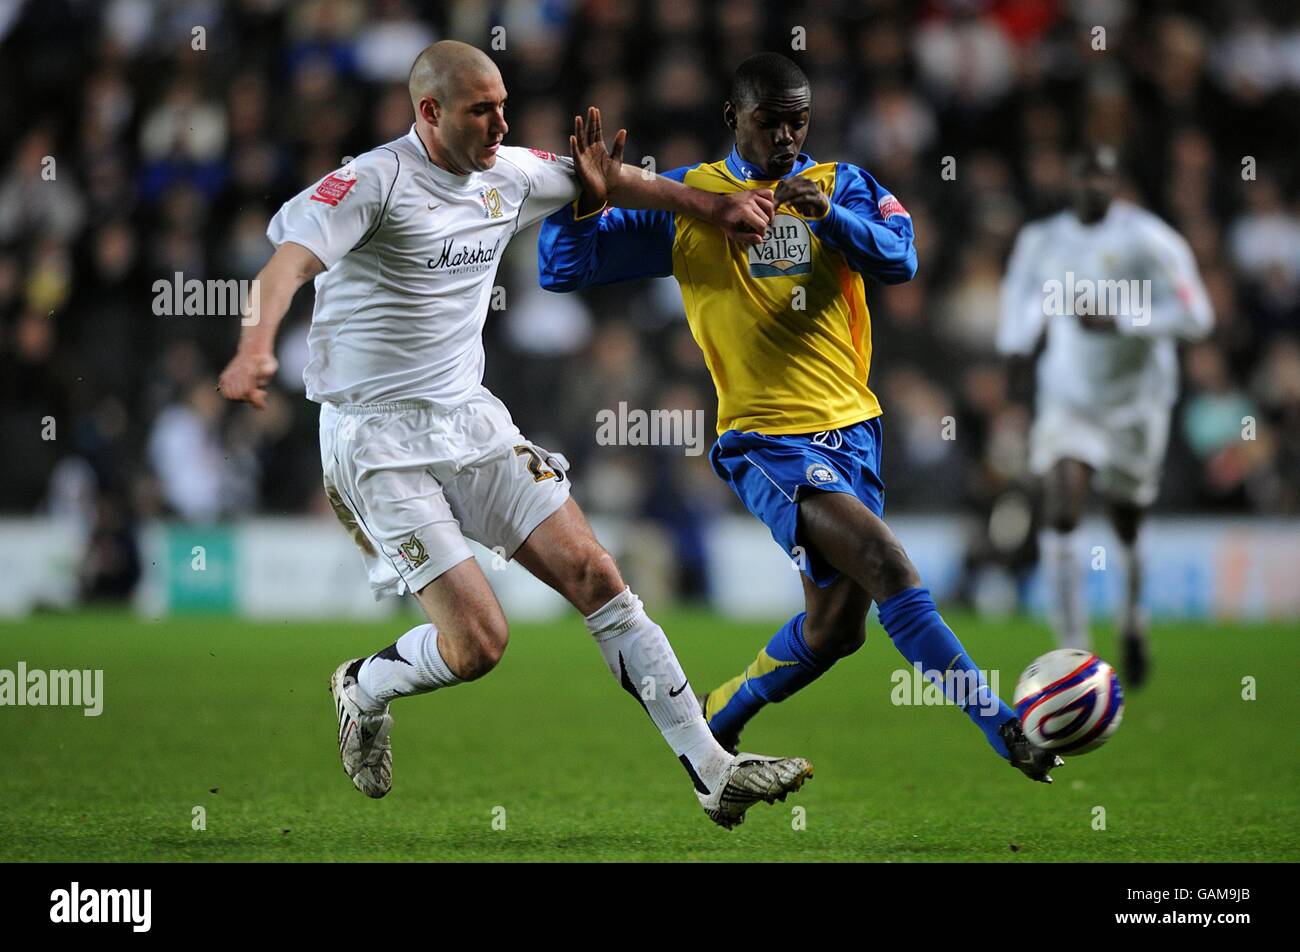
(440, 175)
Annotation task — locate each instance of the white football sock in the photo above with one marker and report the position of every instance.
(410, 666)
(1064, 587)
(642, 661)
(1131, 612)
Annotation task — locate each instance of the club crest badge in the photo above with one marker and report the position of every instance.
(414, 552)
(819, 474)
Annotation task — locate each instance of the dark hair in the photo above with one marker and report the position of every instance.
(765, 73)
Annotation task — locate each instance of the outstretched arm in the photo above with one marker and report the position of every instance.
(615, 245)
(744, 216)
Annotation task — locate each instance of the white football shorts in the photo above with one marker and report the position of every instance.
(1125, 452)
(412, 481)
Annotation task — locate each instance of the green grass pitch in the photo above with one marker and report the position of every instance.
(235, 717)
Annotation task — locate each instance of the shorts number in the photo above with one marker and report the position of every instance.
(536, 465)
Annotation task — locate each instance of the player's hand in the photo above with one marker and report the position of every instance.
(246, 376)
(803, 196)
(744, 216)
(1098, 323)
(597, 168)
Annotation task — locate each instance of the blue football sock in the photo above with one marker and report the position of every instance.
(783, 667)
(913, 623)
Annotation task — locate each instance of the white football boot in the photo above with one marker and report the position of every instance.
(748, 779)
(363, 738)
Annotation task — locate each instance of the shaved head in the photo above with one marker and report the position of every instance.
(460, 103)
(443, 70)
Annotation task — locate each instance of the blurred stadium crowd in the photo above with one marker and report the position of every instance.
(170, 159)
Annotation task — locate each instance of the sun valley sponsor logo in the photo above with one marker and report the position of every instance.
(786, 249)
(55, 688)
(464, 258)
(134, 906)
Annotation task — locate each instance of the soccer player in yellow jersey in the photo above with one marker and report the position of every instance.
(786, 334)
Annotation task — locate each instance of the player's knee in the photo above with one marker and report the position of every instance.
(1063, 518)
(885, 566)
(836, 637)
(599, 579)
(1126, 520)
(1061, 512)
(482, 643)
(1063, 498)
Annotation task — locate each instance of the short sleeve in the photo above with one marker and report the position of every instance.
(552, 183)
(342, 210)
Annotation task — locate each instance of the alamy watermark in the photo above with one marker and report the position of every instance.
(1128, 298)
(970, 688)
(636, 427)
(56, 688)
(213, 297)
(81, 905)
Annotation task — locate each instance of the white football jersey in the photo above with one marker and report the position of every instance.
(1130, 258)
(411, 253)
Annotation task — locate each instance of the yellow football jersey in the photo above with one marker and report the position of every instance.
(784, 325)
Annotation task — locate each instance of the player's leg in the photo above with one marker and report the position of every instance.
(463, 640)
(382, 491)
(859, 544)
(1065, 493)
(832, 626)
(1126, 518)
(1131, 483)
(821, 495)
(563, 552)
(404, 524)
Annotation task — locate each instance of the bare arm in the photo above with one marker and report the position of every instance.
(744, 215)
(254, 363)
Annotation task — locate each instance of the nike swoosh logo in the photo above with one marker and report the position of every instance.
(672, 693)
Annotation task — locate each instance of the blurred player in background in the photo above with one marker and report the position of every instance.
(786, 334)
(1107, 378)
(418, 455)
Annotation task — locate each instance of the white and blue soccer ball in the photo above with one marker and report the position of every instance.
(1069, 701)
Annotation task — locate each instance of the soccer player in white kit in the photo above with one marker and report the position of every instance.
(1114, 288)
(418, 456)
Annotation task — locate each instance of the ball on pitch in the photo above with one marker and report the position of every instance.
(1069, 701)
